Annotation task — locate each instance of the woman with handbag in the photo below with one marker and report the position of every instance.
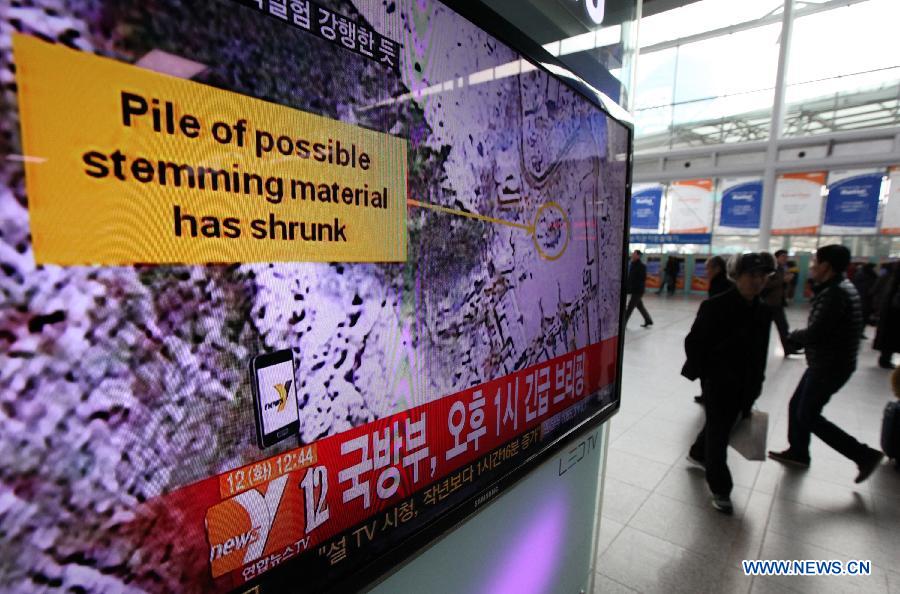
(727, 349)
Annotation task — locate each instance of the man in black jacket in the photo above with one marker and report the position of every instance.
(718, 283)
(637, 283)
(831, 339)
(727, 349)
(718, 276)
(670, 275)
(774, 295)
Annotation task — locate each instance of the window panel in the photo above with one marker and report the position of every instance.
(727, 65)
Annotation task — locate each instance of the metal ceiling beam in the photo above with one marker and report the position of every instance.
(746, 25)
(661, 172)
(749, 147)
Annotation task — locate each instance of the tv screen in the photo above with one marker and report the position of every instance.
(289, 288)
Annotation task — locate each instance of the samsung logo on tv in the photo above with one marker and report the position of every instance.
(485, 497)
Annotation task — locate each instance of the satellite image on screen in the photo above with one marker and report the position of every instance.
(122, 385)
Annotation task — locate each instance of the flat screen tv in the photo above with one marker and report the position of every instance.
(289, 288)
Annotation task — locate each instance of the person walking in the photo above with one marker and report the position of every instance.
(774, 296)
(727, 349)
(831, 339)
(718, 276)
(793, 271)
(864, 281)
(887, 336)
(880, 288)
(718, 284)
(637, 284)
(670, 276)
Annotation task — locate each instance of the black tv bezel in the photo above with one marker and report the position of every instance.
(379, 568)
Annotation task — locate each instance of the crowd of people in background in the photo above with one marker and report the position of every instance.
(878, 288)
(881, 307)
(728, 344)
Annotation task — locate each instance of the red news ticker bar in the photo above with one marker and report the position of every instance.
(526, 397)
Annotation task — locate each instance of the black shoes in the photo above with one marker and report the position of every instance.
(870, 462)
(698, 462)
(790, 458)
(700, 399)
(722, 503)
(646, 324)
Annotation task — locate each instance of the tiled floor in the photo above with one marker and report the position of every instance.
(658, 531)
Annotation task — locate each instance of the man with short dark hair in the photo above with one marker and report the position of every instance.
(670, 275)
(637, 284)
(831, 339)
(718, 276)
(774, 296)
(717, 273)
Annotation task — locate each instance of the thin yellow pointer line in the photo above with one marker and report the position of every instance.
(471, 215)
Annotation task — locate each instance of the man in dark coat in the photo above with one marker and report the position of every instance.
(880, 288)
(727, 349)
(864, 281)
(774, 295)
(831, 339)
(887, 338)
(718, 276)
(637, 284)
(718, 284)
(670, 275)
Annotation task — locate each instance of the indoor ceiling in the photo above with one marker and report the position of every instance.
(546, 21)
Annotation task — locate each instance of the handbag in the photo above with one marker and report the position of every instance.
(690, 371)
(749, 435)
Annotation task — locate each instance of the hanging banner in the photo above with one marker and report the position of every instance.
(699, 280)
(690, 206)
(890, 221)
(741, 206)
(679, 238)
(852, 205)
(645, 206)
(798, 203)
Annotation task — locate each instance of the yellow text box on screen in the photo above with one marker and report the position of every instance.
(73, 108)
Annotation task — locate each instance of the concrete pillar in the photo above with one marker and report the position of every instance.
(775, 128)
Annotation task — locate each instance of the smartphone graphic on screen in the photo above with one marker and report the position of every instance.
(274, 397)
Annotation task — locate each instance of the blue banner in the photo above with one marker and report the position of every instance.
(853, 202)
(741, 205)
(700, 267)
(645, 206)
(680, 238)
